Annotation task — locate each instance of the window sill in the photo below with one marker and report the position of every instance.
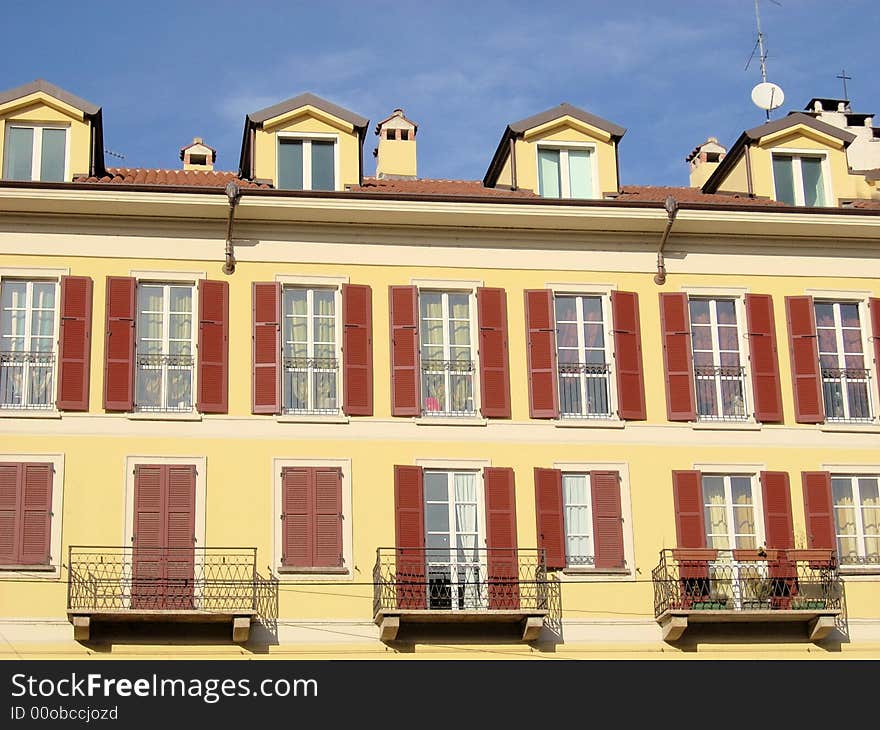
(305, 418)
(860, 571)
(589, 423)
(850, 427)
(595, 571)
(46, 572)
(138, 416)
(450, 421)
(27, 413)
(726, 425)
(288, 570)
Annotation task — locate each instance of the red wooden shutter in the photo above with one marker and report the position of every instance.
(503, 561)
(690, 530)
(874, 307)
(74, 343)
(541, 354)
(180, 527)
(778, 528)
(10, 514)
(494, 356)
(357, 349)
(266, 390)
(678, 359)
(36, 513)
(819, 510)
(297, 516)
(804, 346)
(628, 355)
(213, 364)
(405, 375)
(607, 519)
(764, 358)
(551, 523)
(409, 529)
(119, 343)
(147, 589)
(328, 517)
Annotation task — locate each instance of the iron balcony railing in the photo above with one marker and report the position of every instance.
(310, 386)
(464, 579)
(220, 580)
(847, 395)
(721, 393)
(583, 390)
(164, 383)
(26, 380)
(448, 388)
(746, 580)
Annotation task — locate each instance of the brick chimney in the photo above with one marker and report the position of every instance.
(396, 153)
(198, 156)
(703, 160)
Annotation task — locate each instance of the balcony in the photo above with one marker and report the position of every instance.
(26, 380)
(464, 586)
(186, 585)
(583, 390)
(164, 383)
(448, 388)
(847, 395)
(727, 586)
(309, 386)
(721, 393)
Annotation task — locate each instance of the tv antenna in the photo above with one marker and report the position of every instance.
(766, 95)
(114, 154)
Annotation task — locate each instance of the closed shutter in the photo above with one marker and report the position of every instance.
(494, 356)
(409, 528)
(804, 347)
(874, 307)
(10, 514)
(180, 527)
(819, 510)
(119, 343)
(266, 389)
(607, 519)
(297, 514)
(677, 357)
(779, 535)
(628, 356)
(690, 530)
(213, 362)
(36, 514)
(405, 376)
(74, 343)
(541, 354)
(764, 358)
(551, 522)
(357, 349)
(328, 517)
(503, 562)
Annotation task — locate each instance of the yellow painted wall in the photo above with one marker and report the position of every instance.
(737, 180)
(397, 157)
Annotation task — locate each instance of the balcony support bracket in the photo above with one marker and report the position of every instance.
(389, 627)
(673, 627)
(532, 628)
(820, 627)
(81, 627)
(241, 629)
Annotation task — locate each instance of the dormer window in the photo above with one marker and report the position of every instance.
(799, 179)
(306, 163)
(566, 171)
(35, 152)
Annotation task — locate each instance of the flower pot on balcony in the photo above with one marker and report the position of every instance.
(807, 604)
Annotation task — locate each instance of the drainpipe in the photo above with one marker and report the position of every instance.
(513, 164)
(233, 192)
(671, 211)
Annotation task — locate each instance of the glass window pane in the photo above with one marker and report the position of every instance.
(52, 155)
(435, 487)
(44, 295)
(580, 173)
(149, 298)
(565, 309)
(699, 310)
(868, 492)
(827, 340)
(566, 335)
(324, 302)
(323, 177)
(824, 314)
(741, 488)
(290, 164)
(458, 306)
(841, 491)
(849, 314)
(727, 338)
(180, 299)
(592, 309)
(713, 490)
(726, 311)
(784, 179)
(548, 173)
(180, 327)
(295, 301)
(19, 154)
(594, 336)
(431, 305)
(814, 187)
(437, 517)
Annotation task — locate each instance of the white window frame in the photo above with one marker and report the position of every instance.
(797, 174)
(563, 146)
(591, 537)
(53, 571)
(306, 139)
(757, 505)
(284, 573)
(37, 152)
(857, 509)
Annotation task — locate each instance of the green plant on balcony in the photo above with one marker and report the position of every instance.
(757, 592)
(715, 601)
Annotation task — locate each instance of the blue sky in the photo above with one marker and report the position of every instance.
(672, 73)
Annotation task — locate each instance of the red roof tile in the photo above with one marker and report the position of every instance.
(189, 178)
(428, 186)
(659, 193)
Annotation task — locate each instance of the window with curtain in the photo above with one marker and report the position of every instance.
(447, 353)
(565, 172)
(582, 358)
(35, 152)
(799, 179)
(846, 387)
(578, 519)
(856, 501)
(306, 164)
(729, 512)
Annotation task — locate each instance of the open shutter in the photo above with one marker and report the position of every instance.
(818, 510)
(213, 362)
(36, 513)
(266, 389)
(119, 343)
(494, 356)
(693, 572)
(409, 528)
(74, 343)
(297, 515)
(551, 523)
(404, 303)
(779, 535)
(357, 349)
(804, 346)
(10, 515)
(541, 354)
(328, 517)
(874, 307)
(677, 357)
(503, 562)
(628, 356)
(764, 358)
(180, 527)
(607, 519)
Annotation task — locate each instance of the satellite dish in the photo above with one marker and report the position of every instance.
(767, 96)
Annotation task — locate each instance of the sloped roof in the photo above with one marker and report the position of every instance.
(186, 178)
(308, 99)
(429, 186)
(33, 87)
(565, 109)
(659, 193)
(792, 120)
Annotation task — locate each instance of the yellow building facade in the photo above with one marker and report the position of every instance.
(535, 417)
